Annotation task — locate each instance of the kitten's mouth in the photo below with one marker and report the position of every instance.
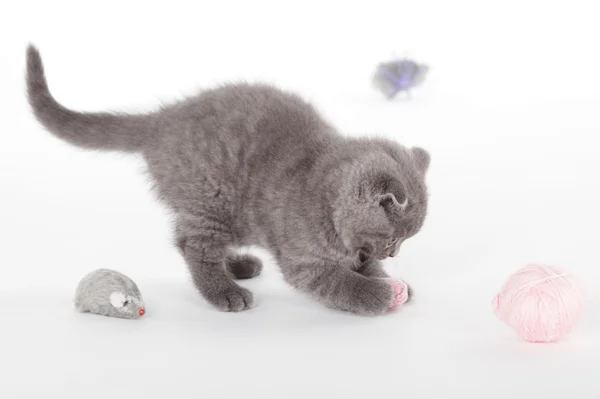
(363, 256)
(366, 253)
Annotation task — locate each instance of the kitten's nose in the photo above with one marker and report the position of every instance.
(395, 250)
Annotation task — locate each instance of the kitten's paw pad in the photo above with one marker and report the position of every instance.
(233, 299)
(244, 266)
(401, 292)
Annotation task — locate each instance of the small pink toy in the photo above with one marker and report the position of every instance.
(541, 303)
(400, 291)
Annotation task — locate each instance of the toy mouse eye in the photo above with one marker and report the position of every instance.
(126, 302)
(118, 300)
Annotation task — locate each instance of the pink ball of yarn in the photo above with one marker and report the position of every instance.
(541, 303)
(400, 293)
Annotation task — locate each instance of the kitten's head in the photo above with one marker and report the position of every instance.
(385, 200)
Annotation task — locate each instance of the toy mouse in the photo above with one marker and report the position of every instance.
(109, 293)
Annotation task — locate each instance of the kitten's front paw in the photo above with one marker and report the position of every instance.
(232, 299)
(401, 292)
(372, 296)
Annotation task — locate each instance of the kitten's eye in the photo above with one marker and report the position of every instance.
(392, 242)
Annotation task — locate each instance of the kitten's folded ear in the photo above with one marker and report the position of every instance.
(421, 158)
(379, 189)
(389, 201)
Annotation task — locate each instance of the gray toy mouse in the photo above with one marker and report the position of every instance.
(109, 293)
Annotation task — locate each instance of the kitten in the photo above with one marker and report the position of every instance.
(252, 165)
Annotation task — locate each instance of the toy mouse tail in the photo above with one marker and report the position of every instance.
(102, 131)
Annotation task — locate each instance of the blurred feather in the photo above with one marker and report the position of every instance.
(393, 77)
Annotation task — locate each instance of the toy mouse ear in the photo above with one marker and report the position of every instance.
(117, 299)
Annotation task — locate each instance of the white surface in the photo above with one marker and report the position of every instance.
(509, 114)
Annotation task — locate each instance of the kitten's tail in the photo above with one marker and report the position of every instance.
(102, 131)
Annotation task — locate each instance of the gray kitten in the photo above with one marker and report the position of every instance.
(252, 165)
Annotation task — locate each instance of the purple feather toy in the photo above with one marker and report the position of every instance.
(394, 77)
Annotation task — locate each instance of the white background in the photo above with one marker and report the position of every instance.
(509, 113)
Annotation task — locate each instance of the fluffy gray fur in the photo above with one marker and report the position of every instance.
(252, 165)
(109, 293)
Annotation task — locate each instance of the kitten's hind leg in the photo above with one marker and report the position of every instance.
(204, 244)
(243, 266)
